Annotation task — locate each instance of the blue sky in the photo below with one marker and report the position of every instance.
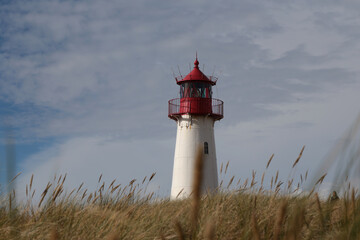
(84, 84)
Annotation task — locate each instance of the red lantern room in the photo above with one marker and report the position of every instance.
(196, 96)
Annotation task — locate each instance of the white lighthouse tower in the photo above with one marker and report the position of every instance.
(195, 113)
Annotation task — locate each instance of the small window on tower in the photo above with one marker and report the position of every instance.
(206, 148)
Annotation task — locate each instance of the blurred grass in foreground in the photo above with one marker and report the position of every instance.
(119, 213)
(245, 211)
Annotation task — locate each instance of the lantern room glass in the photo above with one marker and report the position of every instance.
(195, 90)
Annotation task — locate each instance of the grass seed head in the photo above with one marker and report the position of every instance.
(269, 161)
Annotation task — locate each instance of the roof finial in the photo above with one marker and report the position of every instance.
(196, 63)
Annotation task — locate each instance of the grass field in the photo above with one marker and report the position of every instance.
(246, 211)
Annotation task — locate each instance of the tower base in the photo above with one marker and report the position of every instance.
(194, 132)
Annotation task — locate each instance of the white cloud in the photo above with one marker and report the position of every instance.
(85, 159)
(316, 123)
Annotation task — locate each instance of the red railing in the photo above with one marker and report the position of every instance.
(196, 106)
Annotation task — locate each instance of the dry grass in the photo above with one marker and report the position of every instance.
(246, 211)
(231, 215)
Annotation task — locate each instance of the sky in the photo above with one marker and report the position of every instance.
(84, 85)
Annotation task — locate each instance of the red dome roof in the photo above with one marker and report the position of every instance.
(196, 75)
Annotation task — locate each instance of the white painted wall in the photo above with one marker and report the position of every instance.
(192, 132)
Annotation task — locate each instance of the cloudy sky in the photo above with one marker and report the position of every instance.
(84, 85)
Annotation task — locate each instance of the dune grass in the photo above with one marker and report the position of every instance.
(248, 210)
(236, 215)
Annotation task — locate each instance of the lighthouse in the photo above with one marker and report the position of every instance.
(195, 113)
